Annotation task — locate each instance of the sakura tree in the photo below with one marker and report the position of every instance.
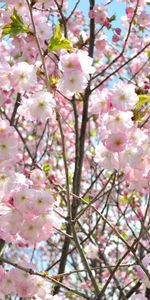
(74, 150)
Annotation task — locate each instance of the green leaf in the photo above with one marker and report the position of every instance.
(124, 235)
(58, 42)
(148, 54)
(47, 167)
(113, 18)
(16, 27)
(87, 199)
(143, 99)
(66, 44)
(93, 133)
(58, 33)
(138, 115)
(96, 60)
(124, 200)
(128, 199)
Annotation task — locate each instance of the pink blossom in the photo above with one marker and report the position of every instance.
(5, 129)
(101, 44)
(105, 158)
(118, 121)
(124, 98)
(23, 199)
(44, 29)
(10, 221)
(7, 285)
(99, 102)
(31, 228)
(11, 181)
(143, 19)
(2, 273)
(1, 99)
(75, 82)
(38, 177)
(131, 156)
(24, 283)
(86, 62)
(100, 12)
(70, 62)
(23, 76)
(139, 297)
(91, 251)
(79, 61)
(40, 106)
(143, 277)
(52, 4)
(7, 146)
(116, 142)
(18, 5)
(5, 71)
(41, 201)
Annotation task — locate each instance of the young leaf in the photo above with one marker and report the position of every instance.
(143, 99)
(58, 42)
(46, 167)
(113, 18)
(16, 27)
(58, 33)
(148, 54)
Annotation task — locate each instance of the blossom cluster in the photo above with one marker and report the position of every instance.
(29, 215)
(123, 145)
(76, 68)
(21, 283)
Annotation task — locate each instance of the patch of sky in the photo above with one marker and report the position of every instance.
(2, 4)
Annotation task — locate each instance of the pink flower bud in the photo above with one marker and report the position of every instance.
(107, 23)
(129, 10)
(115, 38)
(118, 31)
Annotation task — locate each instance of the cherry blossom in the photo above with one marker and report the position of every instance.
(39, 107)
(23, 76)
(91, 251)
(116, 142)
(139, 297)
(105, 158)
(76, 82)
(124, 98)
(143, 277)
(100, 13)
